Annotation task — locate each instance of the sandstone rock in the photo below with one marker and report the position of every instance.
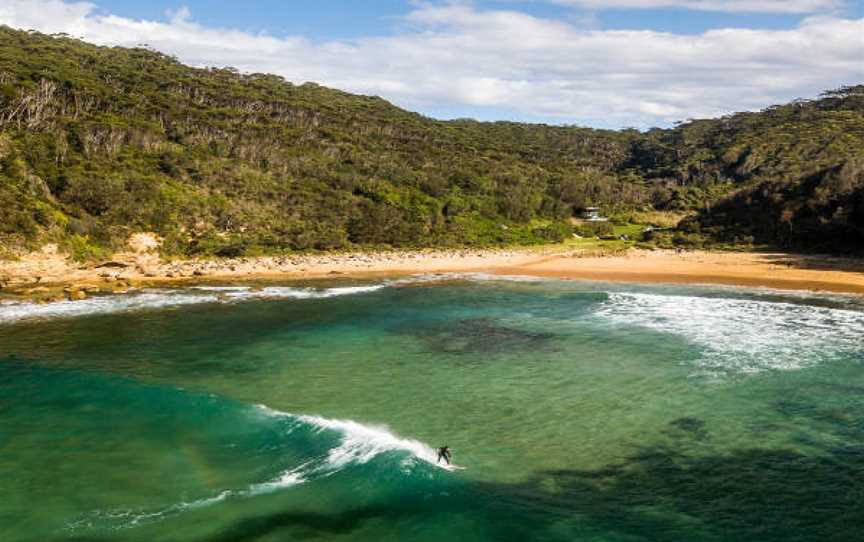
(75, 295)
(114, 264)
(145, 242)
(36, 290)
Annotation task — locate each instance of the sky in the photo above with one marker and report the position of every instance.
(599, 63)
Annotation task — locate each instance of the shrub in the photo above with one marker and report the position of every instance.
(554, 232)
(81, 249)
(595, 229)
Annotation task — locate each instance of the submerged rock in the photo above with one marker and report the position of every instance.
(692, 427)
(482, 335)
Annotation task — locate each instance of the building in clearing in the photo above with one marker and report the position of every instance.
(592, 214)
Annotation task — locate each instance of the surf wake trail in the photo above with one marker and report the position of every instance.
(362, 443)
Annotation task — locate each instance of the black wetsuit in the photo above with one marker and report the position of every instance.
(444, 453)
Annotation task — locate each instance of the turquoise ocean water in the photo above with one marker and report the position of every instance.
(578, 411)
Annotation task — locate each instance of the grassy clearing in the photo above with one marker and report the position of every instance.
(611, 243)
(657, 219)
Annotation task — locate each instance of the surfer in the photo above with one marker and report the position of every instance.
(444, 453)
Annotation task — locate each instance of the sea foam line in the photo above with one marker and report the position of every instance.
(14, 311)
(425, 278)
(11, 312)
(744, 335)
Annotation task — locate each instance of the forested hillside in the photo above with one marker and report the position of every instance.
(791, 175)
(98, 143)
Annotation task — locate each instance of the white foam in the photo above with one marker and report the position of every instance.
(286, 292)
(222, 288)
(472, 276)
(162, 298)
(489, 277)
(100, 305)
(13, 311)
(360, 442)
(744, 335)
(129, 518)
(286, 479)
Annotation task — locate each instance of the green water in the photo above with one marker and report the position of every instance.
(579, 411)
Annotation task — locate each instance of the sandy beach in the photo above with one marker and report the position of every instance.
(752, 269)
(48, 275)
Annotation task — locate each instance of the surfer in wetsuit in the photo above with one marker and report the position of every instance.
(444, 453)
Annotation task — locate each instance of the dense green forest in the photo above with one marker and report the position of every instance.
(97, 143)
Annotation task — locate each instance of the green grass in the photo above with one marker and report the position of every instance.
(633, 231)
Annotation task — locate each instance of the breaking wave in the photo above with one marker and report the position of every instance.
(163, 298)
(148, 299)
(743, 335)
(331, 446)
(361, 443)
(286, 292)
(157, 298)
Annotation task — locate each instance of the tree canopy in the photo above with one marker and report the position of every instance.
(97, 143)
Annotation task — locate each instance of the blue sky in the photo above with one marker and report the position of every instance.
(335, 19)
(320, 20)
(602, 63)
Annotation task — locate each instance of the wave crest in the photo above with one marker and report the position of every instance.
(743, 335)
(358, 445)
(11, 312)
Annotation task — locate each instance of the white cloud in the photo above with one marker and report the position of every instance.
(745, 6)
(456, 57)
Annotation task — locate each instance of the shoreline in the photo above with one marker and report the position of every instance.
(780, 271)
(48, 276)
